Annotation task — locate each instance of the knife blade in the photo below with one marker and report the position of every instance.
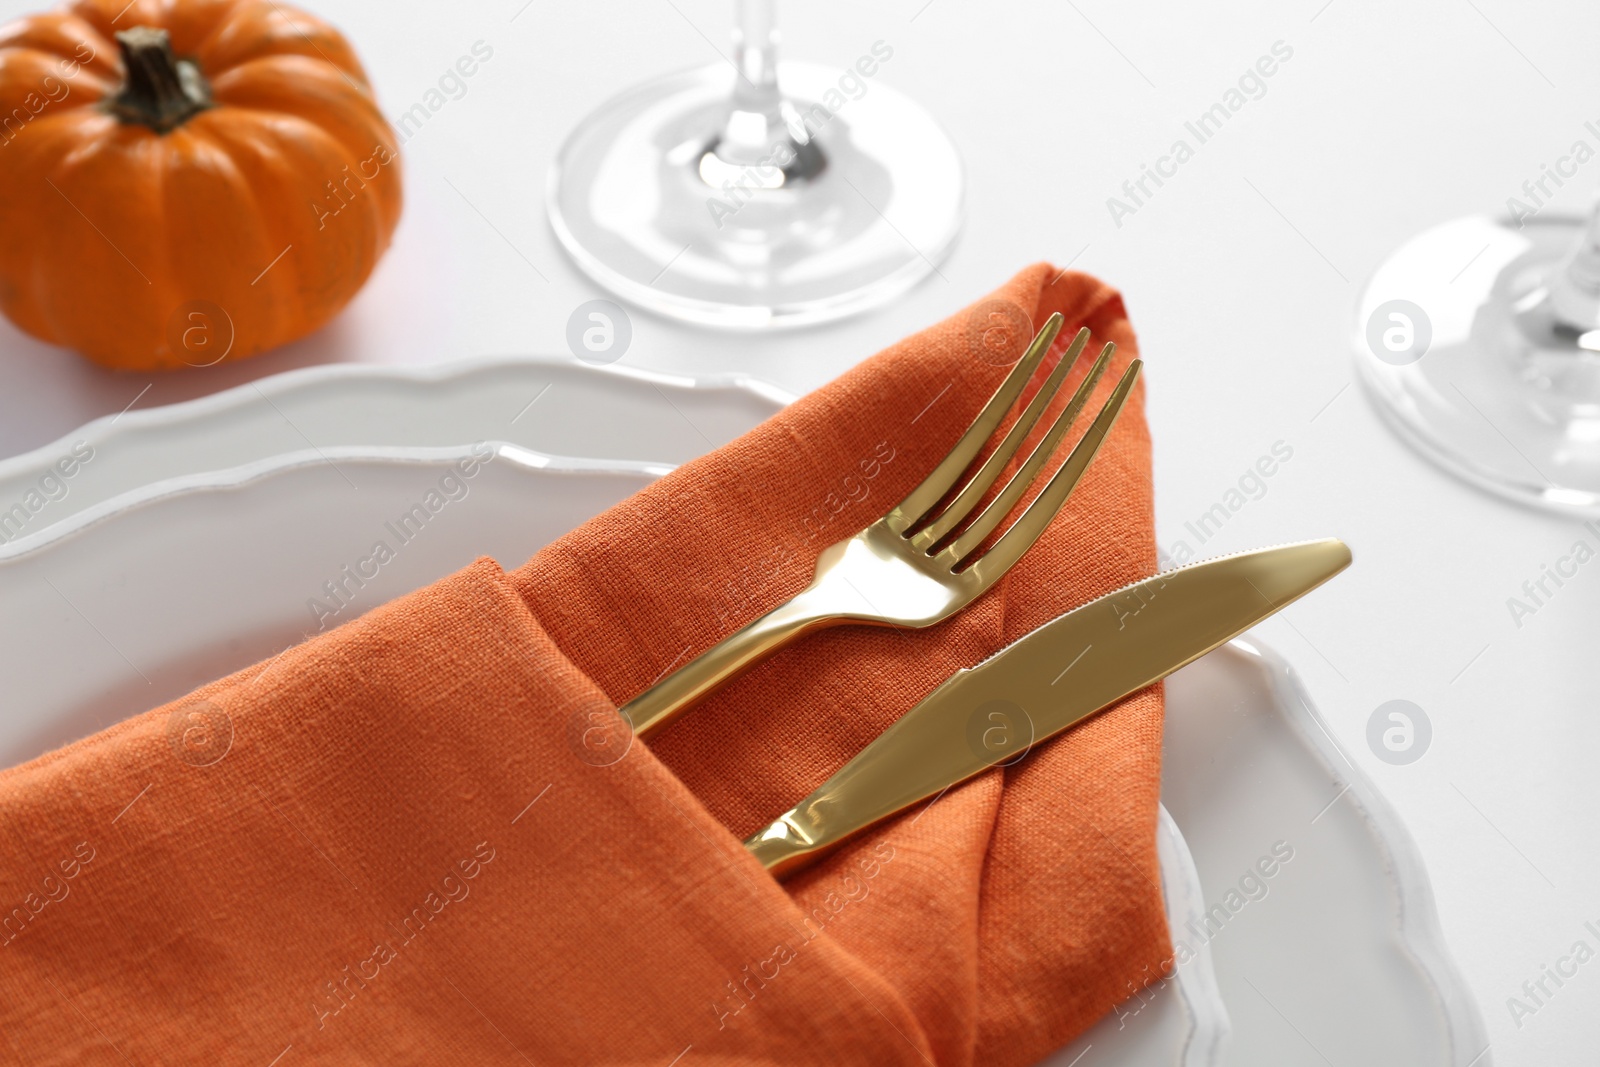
(1058, 675)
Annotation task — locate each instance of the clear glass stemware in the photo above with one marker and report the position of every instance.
(764, 195)
(1480, 341)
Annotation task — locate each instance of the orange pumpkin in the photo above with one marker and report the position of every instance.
(186, 181)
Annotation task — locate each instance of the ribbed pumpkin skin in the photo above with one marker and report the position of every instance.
(110, 233)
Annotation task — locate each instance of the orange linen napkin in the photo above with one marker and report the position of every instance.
(397, 843)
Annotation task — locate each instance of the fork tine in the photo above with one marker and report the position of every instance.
(1031, 524)
(985, 476)
(1001, 505)
(933, 488)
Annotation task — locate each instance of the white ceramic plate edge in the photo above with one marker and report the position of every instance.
(215, 415)
(28, 465)
(1197, 981)
(246, 473)
(1418, 931)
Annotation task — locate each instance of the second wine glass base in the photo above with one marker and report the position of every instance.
(627, 200)
(1458, 344)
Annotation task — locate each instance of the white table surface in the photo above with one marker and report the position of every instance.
(1240, 275)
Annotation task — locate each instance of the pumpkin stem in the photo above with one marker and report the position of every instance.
(162, 91)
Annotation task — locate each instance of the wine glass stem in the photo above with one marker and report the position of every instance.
(755, 146)
(755, 53)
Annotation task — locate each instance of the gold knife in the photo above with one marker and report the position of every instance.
(1058, 675)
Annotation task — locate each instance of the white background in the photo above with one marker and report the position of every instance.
(1240, 274)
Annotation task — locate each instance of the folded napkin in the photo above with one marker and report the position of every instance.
(411, 840)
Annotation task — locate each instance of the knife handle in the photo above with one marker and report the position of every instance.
(785, 845)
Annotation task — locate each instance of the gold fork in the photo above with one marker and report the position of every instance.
(906, 569)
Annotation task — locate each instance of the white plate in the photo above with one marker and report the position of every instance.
(1341, 956)
(95, 628)
(557, 406)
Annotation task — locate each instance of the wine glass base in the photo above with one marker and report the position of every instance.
(1458, 345)
(627, 200)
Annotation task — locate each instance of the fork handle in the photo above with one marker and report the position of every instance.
(724, 661)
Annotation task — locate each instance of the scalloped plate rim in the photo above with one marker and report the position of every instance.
(1416, 929)
(283, 383)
